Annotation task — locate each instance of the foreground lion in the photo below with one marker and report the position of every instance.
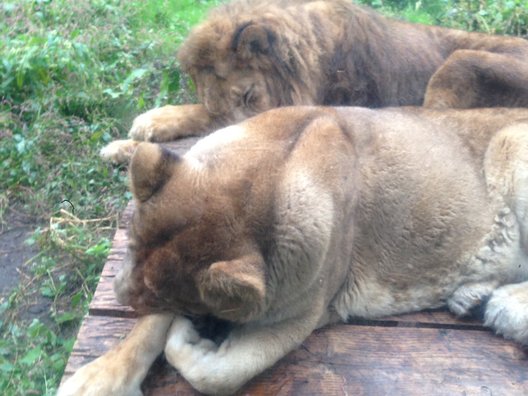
(251, 56)
(301, 217)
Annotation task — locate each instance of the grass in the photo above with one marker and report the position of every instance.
(73, 74)
(489, 16)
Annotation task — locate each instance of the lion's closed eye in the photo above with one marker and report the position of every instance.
(249, 96)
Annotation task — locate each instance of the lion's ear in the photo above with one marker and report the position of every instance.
(250, 39)
(234, 290)
(151, 166)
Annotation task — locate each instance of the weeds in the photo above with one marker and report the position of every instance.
(72, 76)
(489, 16)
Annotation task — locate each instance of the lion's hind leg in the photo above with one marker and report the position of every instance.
(506, 312)
(506, 170)
(471, 79)
(503, 309)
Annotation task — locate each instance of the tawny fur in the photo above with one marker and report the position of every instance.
(249, 56)
(303, 216)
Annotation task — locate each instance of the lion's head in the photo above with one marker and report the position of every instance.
(192, 248)
(244, 64)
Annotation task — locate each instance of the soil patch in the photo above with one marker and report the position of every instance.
(14, 253)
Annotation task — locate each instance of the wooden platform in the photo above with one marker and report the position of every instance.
(429, 353)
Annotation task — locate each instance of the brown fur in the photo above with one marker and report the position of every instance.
(337, 53)
(301, 217)
(187, 219)
(250, 56)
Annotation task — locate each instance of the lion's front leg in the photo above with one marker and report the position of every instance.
(471, 79)
(172, 122)
(121, 370)
(223, 369)
(163, 124)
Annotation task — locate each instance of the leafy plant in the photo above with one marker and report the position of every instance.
(72, 77)
(489, 16)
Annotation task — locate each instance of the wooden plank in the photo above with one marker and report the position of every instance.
(436, 318)
(350, 359)
(398, 361)
(126, 216)
(96, 336)
(104, 302)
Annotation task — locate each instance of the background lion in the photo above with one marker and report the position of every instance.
(251, 56)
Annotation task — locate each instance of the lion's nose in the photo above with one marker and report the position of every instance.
(215, 106)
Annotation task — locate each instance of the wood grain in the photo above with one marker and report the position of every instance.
(353, 360)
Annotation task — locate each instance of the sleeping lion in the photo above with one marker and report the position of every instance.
(304, 216)
(251, 55)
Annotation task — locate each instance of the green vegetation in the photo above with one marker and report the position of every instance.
(73, 74)
(489, 16)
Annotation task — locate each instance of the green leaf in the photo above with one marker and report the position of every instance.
(66, 317)
(6, 367)
(4, 350)
(47, 291)
(20, 79)
(35, 328)
(31, 356)
(9, 7)
(134, 75)
(102, 248)
(113, 94)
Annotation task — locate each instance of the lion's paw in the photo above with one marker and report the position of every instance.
(119, 151)
(507, 312)
(184, 344)
(200, 361)
(182, 331)
(469, 296)
(144, 126)
(99, 378)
